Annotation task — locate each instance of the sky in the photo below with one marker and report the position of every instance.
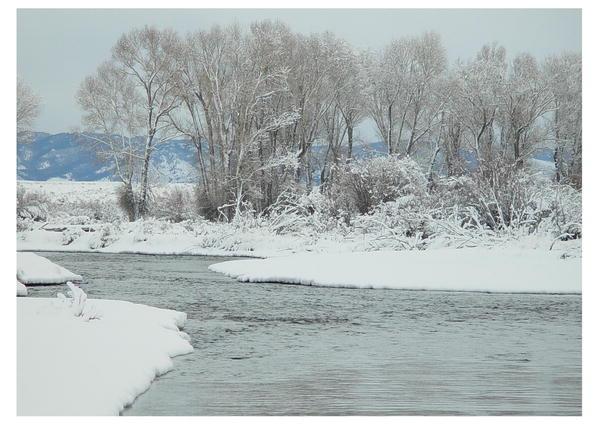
(57, 49)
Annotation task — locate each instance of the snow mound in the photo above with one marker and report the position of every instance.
(91, 357)
(34, 269)
(475, 269)
(21, 289)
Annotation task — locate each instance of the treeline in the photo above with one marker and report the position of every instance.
(255, 102)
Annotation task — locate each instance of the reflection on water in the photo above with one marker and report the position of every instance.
(279, 349)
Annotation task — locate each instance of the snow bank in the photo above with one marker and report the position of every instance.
(476, 269)
(21, 289)
(91, 357)
(35, 269)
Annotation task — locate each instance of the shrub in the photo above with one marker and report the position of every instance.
(31, 205)
(312, 212)
(174, 204)
(363, 184)
(209, 204)
(128, 202)
(510, 200)
(105, 236)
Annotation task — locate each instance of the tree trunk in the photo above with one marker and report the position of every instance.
(144, 189)
(389, 135)
(350, 141)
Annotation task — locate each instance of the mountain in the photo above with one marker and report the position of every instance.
(64, 156)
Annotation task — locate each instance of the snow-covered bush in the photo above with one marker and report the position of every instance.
(99, 210)
(565, 219)
(173, 203)
(31, 205)
(508, 200)
(364, 184)
(79, 220)
(407, 222)
(105, 236)
(303, 213)
(70, 234)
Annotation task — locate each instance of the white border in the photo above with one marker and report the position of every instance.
(591, 22)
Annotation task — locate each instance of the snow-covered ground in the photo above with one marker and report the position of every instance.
(34, 269)
(67, 365)
(218, 239)
(85, 217)
(77, 356)
(21, 289)
(474, 269)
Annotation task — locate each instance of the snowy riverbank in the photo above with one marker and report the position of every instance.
(79, 356)
(212, 239)
(475, 269)
(33, 269)
(85, 217)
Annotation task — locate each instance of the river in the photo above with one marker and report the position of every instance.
(272, 349)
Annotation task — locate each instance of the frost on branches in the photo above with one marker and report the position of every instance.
(481, 151)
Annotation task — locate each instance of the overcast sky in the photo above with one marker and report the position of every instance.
(56, 49)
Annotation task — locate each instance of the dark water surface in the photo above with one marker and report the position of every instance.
(280, 349)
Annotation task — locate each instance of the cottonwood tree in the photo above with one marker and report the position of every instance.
(452, 132)
(235, 95)
(148, 57)
(28, 107)
(310, 68)
(525, 99)
(345, 106)
(349, 92)
(387, 78)
(267, 109)
(425, 102)
(402, 100)
(480, 83)
(203, 85)
(563, 74)
(113, 117)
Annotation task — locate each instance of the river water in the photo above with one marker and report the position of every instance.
(269, 349)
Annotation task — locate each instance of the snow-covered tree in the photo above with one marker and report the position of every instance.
(477, 103)
(148, 57)
(28, 107)
(563, 74)
(401, 90)
(113, 119)
(525, 99)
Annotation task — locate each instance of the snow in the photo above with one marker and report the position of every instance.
(34, 269)
(85, 217)
(472, 269)
(91, 357)
(221, 239)
(21, 289)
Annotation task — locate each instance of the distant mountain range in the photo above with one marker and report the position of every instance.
(64, 156)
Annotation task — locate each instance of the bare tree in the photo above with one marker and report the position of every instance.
(342, 90)
(402, 90)
(478, 99)
(113, 118)
(563, 74)
(525, 99)
(266, 109)
(28, 107)
(387, 79)
(236, 102)
(148, 57)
